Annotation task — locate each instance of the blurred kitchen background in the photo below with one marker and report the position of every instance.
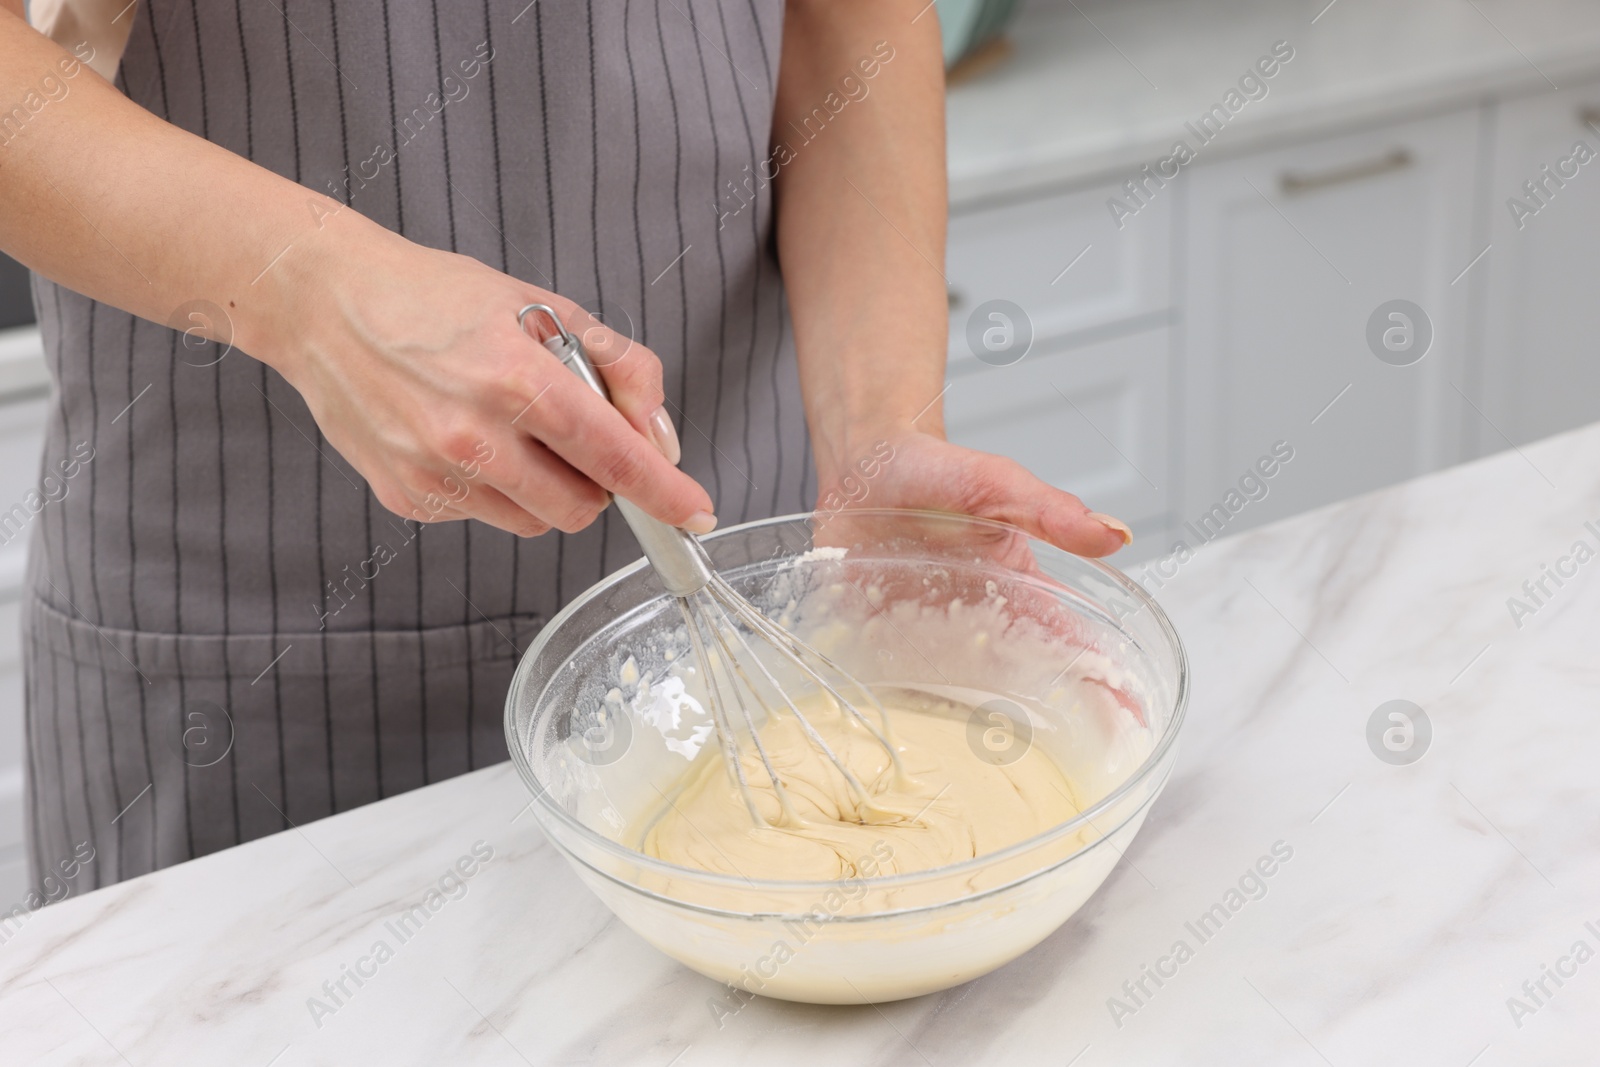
(1156, 358)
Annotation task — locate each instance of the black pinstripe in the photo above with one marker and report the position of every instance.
(177, 596)
(39, 836)
(638, 173)
(93, 836)
(722, 267)
(505, 254)
(272, 569)
(55, 664)
(85, 780)
(317, 492)
(177, 450)
(638, 170)
(61, 763)
(755, 289)
(94, 590)
(222, 481)
(366, 501)
(677, 214)
(594, 229)
(271, 486)
(777, 335)
(133, 606)
(450, 216)
(550, 202)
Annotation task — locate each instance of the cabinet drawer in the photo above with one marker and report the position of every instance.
(1021, 252)
(1091, 420)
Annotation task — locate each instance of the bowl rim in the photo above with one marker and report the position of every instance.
(1085, 818)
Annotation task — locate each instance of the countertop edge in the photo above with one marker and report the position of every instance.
(973, 181)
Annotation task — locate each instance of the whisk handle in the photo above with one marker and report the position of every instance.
(675, 554)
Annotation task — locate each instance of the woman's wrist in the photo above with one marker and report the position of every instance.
(866, 445)
(841, 441)
(296, 291)
(857, 396)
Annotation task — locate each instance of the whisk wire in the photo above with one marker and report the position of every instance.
(729, 660)
(719, 714)
(810, 731)
(792, 649)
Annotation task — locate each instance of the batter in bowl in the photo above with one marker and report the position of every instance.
(956, 799)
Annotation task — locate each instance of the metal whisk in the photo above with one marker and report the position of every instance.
(718, 621)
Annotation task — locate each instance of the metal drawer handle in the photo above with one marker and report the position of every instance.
(1589, 115)
(1292, 183)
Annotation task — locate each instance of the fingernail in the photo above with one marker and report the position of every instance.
(665, 437)
(1116, 526)
(701, 522)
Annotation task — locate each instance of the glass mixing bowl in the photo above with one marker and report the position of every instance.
(1046, 648)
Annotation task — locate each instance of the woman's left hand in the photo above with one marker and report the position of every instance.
(923, 471)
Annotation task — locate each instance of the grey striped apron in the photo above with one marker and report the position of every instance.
(216, 646)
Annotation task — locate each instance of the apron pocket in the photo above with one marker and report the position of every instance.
(242, 735)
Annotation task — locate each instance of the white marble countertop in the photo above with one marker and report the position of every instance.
(1417, 900)
(1097, 87)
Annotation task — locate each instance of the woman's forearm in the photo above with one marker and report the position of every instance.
(107, 199)
(858, 139)
(411, 360)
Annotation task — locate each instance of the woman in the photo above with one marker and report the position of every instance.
(256, 605)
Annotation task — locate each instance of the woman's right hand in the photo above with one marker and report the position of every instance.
(410, 359)
(415, 367)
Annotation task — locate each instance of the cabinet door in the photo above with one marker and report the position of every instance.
(21, 442)
(1540, 374)
(1091, 420)
(13, 751)
(23, 409)
(1290, 253)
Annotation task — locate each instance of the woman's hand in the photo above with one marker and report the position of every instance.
(413, 364)
(908, 469)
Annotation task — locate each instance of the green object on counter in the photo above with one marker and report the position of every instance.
(966, 24)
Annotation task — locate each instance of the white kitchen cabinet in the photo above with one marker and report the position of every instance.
(1539, 372)
(1086, 407)
(24, 405)
(1091, 419)
(21, 435)
(12, 756)
(21, 438)
(1058, 258)
(1290, 252)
